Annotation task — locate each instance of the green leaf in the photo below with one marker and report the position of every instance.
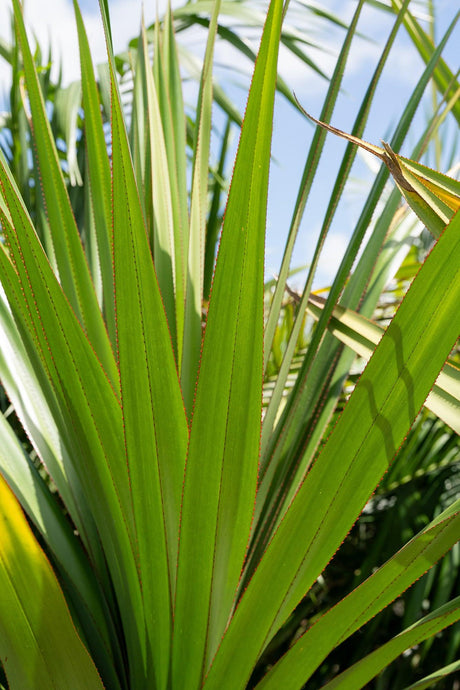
(446, 81)
(154, 421)
(99, 181)
(164, 241)
(363, 335)
(363, 443)
(67, 105)
(221, 470)
(33, 613)
(82, 587)
(294, 669)
(309, 171)
(83, 401)
(169, 85)
(214, 217)
(342, 175)
(299, 428)
(358, 675)
(28, 396)
(288, 448)
(431, 680)
(198, 213)
(73, 269)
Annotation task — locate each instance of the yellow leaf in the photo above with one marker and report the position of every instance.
(433, 196)
(39, 645)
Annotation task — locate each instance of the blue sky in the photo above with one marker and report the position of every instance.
(292, 133)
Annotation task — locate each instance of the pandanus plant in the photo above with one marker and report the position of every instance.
(162, 514)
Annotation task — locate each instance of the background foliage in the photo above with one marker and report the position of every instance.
(109, 391)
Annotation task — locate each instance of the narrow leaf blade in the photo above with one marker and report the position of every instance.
(294, 669)
(358, 675)
(221, 470)
(33, 613)
(363, 336)
(381, 409)
(71, 262)
(434, 197)
(154, 422)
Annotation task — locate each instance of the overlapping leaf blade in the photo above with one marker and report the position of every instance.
(342, 175)
(433, 678)
(28, 395)
(169, 88)
(315, 392)
(165, 244)
(363, 335)
(387, 583)
(221, 470)
(154, 421)
(34, 614)
(434, 197)
(357, 454)
(197, 235)
(82, 587)
(98, 174)
(81, 397)
(71, 262)
(363, 671)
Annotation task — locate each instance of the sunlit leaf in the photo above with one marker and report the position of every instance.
(363, 336)
(434, 197)
(33, 613)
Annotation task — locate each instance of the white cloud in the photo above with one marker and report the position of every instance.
(301, 77)
(366, 49)
(54, 21)
(333, 252)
